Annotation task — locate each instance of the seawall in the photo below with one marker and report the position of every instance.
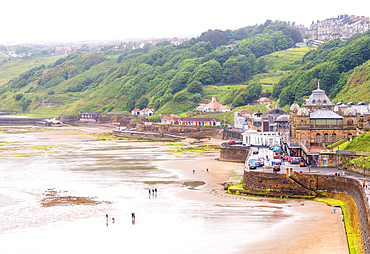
(306, 186)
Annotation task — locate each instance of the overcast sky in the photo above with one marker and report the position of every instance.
(76, 20)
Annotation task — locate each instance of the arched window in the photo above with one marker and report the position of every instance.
(349, 137)
(333, 137)
(313, 101)
(303, 122)
(318, 138)
(324, 102)
(303, 139)
(350, 122)
(326, 138)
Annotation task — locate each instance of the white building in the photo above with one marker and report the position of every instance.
(213, 106)
(254, 138)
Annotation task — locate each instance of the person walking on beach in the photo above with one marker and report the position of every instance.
(193, 171)
(207, 170)
(133, 216)
(363, 185)
(106, 216)
(334, 210)
(149, 191)
(155, 191)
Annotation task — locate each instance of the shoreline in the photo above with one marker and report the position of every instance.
(315, 218)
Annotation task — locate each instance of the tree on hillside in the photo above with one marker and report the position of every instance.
(3, 48)
(294, 34)
(19, 49)
(142, 103)
(250, 94)
(261, 64)
(195, 87)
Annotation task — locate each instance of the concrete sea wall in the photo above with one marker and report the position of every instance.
(300, 185)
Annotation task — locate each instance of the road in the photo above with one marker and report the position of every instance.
(313, 170)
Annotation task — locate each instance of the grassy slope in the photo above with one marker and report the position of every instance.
(275, 61)
(16, 66)
(360, 143)
(357, 88)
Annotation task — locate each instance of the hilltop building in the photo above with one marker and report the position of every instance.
(130, 45)
(213, 106)
(264, 100)
(342, 27)
(63, 50)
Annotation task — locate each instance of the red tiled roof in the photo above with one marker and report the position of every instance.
(147, 110)
(170, 118)
(264, 99)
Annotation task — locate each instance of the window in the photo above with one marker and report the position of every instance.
(325, 162)
(303, 139)
(326, 138)
(318, 138)
(333, 137)
(313, 101)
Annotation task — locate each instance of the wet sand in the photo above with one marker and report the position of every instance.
(313, 229)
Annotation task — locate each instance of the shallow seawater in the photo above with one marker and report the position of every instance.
(119, 174)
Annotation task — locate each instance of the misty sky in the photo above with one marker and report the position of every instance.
(75, 20)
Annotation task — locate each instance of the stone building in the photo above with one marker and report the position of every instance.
(319, 122)
(342, 27)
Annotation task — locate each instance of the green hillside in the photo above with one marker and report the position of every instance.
(11, 67)
(357, 88)
(171, 79)
(332, 63)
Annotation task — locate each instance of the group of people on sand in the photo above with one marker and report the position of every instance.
(153, 192)
(113, 220)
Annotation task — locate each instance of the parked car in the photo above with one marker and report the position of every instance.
(276, 162)
(276, 168)
(252, 165)
(295, 161)
(276, 149)
(255, 151)
(231, 142)
(302, 164)
(238, 141)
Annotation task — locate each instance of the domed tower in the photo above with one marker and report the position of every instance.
(350, 117)
(318, 99)
(293, 112)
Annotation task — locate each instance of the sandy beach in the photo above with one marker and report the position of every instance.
(314, 229)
